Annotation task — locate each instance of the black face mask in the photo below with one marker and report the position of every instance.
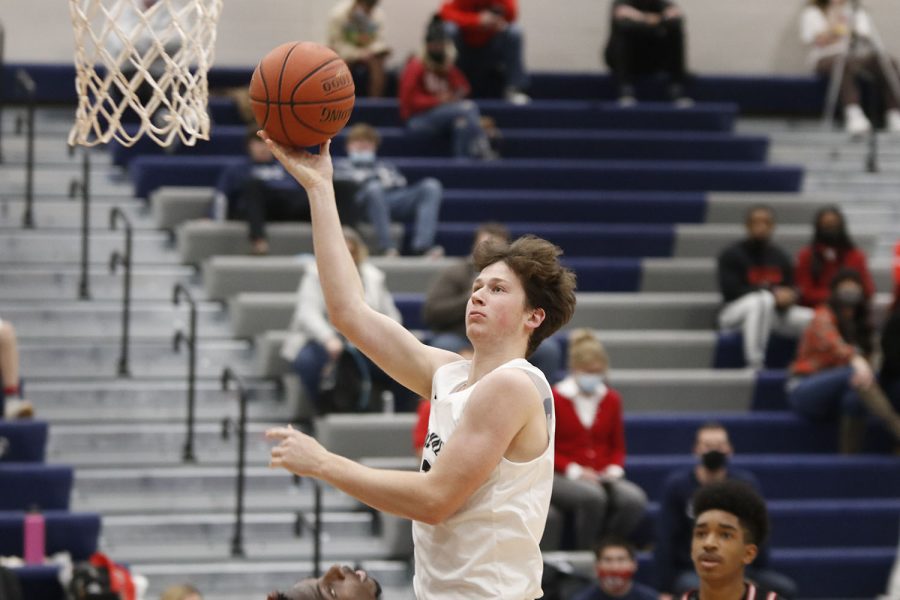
(830, 238)
(714, 460)
(438, 56)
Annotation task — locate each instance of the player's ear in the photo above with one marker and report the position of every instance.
(750, 553)
(535, 318)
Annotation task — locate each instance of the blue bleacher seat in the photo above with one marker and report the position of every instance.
(836, 572)
(23, 441)
(769, 392)
(25, 485)
(40, 582)
(76, 533)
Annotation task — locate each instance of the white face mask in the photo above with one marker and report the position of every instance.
(588, 383)
(362, 156)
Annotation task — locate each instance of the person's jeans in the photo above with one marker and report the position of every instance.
(309, 364)
(260, 203)
(826, 395)
(638, 50)
(419, 204)
(461, 120)
(615, 507)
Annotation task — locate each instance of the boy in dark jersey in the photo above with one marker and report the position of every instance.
(731, 522)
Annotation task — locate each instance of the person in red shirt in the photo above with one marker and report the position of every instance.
(489, 39)
(831, 375)
(831, 250)
(590, 479)
(432, 97)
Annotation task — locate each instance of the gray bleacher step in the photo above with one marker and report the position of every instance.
(698, 240)
(54, 213)
(253, 579)
(173, 205)
(30, 282)
(71, 318)
(64, 246)
(50, 149)
(731, 207)
(683, 390)
(131, 400)
(73, 357)
(105, 181)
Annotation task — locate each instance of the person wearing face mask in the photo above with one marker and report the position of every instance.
(674, 566)
(433, 95)
(831, 250)
(756, 280)
(356, 34)
(384, 195)
(338, 583)
(589, 483)
(616, 565)
(831, 377)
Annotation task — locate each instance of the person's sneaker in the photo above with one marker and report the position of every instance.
(434, 253)
(893, 121)
(17, 408)
(855, 121)
(391, 253)
(517, 97)
(259, 247)
(626, 96)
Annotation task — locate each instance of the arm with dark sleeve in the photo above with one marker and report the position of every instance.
(445, 303)
(890, 347)
(732, 275)
(787, 267)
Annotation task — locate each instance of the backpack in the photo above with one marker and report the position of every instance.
(100, 579)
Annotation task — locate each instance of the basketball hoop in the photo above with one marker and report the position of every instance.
(146, 59)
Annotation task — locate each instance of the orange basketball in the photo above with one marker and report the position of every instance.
(302, 94)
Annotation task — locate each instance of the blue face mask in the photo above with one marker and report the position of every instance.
(589, 382)
(362, 156)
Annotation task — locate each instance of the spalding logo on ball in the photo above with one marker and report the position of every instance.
(302, 94)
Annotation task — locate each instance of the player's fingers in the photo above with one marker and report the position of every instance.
(325, 148)
(278, 433)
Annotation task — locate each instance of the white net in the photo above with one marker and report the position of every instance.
(141, 69)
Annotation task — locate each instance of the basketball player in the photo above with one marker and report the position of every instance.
(480, 500)
(338, 583)
(731, 523)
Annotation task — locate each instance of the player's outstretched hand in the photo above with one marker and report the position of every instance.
(310, 170)
(296, 452)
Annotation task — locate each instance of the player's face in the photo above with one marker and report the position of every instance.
(338, 583)
(497, 304)
(718, 548)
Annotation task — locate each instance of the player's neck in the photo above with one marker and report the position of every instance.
(486, 359)
(722, 590)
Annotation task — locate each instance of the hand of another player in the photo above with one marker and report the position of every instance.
(673, 12)
(310, 170)
(296, 452)
(334, 346)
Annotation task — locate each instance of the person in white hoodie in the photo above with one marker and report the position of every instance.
(825, 28)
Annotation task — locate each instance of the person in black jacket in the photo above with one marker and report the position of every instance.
(756, 281)
(890, 352)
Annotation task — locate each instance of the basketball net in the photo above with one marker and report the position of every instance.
(146, 59)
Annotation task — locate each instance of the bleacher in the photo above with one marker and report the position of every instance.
(640, 200)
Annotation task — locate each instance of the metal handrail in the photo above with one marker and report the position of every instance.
(84, 186)
(124, 259)
(2, 65)
(26, 84)
(237, 541)
(179, 292)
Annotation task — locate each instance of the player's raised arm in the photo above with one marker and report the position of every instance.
(386, 342)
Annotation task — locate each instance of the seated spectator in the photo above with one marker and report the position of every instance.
(757, 283)
(731, 525)
(490, 43)
(14, 406)
(890, 352)
(181, 592)
(356, 33)
(674, 566)
(825, 28)
(259, 190)
(589, 482)
(831, 377)
(616, 565)
(831, 250)
(432, 98)
(646, 37)
(338, 583)
(384, 195)
(314, 345)
(444, 310)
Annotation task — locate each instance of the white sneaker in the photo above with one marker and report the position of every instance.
(17, 408)
(893, 121)
(855, 121)
(516, 97)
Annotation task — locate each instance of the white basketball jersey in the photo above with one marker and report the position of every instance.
(489, 548)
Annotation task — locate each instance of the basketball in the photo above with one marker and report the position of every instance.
(302, 94)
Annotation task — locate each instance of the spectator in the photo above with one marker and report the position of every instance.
(674, 567)
(444, 310)
(826, 30)
(258, 190)
(432, 92)
(647, 36)
(14, 406)
(489, 41)
(831, 250)
(356, 33)
(616, 565)
(589, 482)
(890, 352)
(384, 195)
(338, 583)
(832, 376)
(313, 344)
(731, 525)
(757, 284)
(181, 592)
(893, 585)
